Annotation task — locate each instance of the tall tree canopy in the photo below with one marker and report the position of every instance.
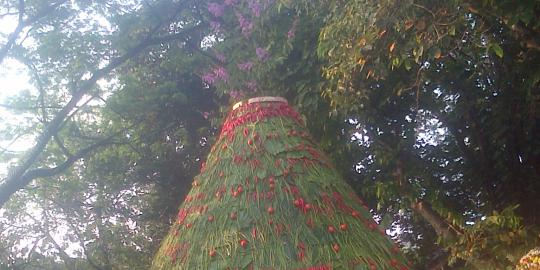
(429, 108)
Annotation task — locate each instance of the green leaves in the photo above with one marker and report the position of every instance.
(496, 48)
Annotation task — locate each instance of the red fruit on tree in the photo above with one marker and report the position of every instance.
(233, 215)
(343, 227)
(270, 210)
(210, 218)
(212, 253)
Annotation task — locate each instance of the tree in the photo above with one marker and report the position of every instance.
(83, 73)
(397, 68)
(78, 204)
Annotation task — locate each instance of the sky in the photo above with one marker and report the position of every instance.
(14, 79)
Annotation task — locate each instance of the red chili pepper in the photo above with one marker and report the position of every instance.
(212, 253)
(301, 255)
(331, 229)
(309, 222)
(335, 247)
(298, 203)
(270, 210)
(243, 243)
(343, 227)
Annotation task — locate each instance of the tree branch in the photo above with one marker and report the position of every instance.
(20, 176)
(47, 172)
(24, 23)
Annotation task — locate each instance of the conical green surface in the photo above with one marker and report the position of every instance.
(267, 198)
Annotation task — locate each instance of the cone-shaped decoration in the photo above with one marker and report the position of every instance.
(267, 198)
(531, 260)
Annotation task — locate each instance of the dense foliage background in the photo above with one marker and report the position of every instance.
(429, 108)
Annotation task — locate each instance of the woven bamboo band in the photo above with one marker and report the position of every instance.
(259, 99)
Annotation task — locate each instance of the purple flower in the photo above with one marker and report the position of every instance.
(245, 24)
(235, 94)
(221, 73)
(216, 26)
(255, 7)
(230, 2)
(262, 53)
(220, 57)
(292, 31)
(216, 9)
(246, 66)
(209, 78)
(290, 34)
(252, 85)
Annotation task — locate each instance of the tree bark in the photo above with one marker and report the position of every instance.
(439, 224)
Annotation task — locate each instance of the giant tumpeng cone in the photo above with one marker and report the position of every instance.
(267, 198)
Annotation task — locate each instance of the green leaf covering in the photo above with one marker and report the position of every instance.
(267, 198)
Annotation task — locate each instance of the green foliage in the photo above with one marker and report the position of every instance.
(499, 236)
(415, 101)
